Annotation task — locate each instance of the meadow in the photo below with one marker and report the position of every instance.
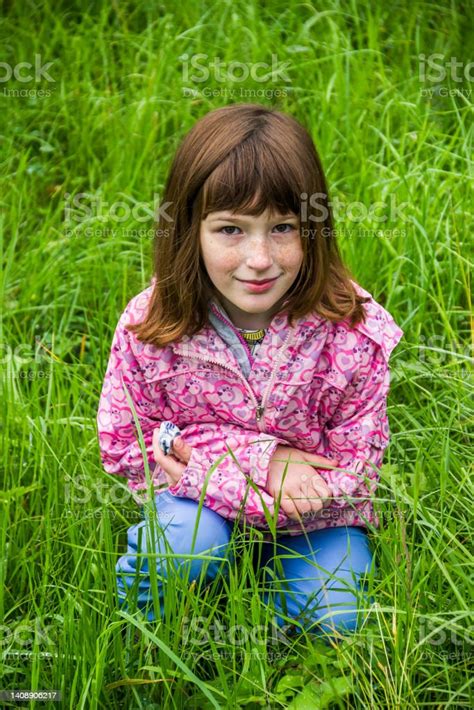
(95, 98)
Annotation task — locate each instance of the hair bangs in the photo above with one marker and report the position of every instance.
(253, 177)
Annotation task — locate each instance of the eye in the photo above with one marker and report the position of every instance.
(286, 227)
(231, 234)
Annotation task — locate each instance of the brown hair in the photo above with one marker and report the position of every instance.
(243, 157)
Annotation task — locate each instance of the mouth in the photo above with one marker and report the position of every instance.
(261, 286)
(259, 283)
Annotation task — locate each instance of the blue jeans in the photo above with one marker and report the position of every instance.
(316, 579)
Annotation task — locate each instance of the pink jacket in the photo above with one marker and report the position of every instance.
(320, 387)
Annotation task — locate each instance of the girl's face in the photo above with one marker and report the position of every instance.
(241, 248)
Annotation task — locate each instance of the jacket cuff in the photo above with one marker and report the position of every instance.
(259, 455)
(346, 483)
(260, 458)
(193, 474)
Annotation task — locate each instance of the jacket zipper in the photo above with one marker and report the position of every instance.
(198, 356)
(259, 407)
(242, 339)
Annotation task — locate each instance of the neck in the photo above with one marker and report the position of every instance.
(246, 321)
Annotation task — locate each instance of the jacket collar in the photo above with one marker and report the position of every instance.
(216, 305)
(208, 344)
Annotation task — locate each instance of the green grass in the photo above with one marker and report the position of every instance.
(108, 125)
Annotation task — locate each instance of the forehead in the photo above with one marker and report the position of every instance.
(268, 215)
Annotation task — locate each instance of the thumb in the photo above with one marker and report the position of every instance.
(182, 448)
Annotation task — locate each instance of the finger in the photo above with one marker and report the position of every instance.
(321, 491)
(174, 467)
(320, 500)
(317, 504)
(301, 504)
(156, 441)
(288, 507)
(170, 465)
(312, 499)
(181, 449)
(310, 494)
(302, 499)
(323, 460)
(310, 491)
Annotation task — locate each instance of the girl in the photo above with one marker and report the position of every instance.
(254, 339)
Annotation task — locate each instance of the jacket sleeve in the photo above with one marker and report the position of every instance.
(121, 454)
(358, 433)
(224, 459)
(118, 438)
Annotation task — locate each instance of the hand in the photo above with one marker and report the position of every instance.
(171, 464)
(302, 490)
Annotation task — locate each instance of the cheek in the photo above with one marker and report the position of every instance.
(291, 255)
(219, 261)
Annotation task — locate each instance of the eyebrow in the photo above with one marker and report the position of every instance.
(235, 218)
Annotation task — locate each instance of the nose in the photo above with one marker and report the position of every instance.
(259, 256)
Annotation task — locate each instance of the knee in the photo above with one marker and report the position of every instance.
(182, 522)
(175, 526)
(339, 612)
(328, 612)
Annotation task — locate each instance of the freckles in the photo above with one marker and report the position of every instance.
(221, 262)
(226, 261)
(291, 254)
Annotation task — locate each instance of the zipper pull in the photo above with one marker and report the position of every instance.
(259, 412)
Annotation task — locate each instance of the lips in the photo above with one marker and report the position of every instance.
(259, 283)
